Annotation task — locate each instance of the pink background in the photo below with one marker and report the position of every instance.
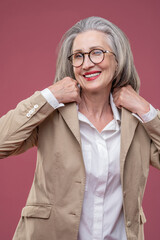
(29, 33)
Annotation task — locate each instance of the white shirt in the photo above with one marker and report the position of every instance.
(102, 213)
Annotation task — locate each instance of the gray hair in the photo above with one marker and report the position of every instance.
(126, 73)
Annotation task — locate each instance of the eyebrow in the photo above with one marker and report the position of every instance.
(94, 47)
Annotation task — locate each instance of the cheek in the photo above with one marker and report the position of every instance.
(111, 69)
(77, 73)
(109, 64)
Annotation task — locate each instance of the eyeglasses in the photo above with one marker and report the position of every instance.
(96, 56)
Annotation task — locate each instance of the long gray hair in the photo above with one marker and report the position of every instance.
(125, 73)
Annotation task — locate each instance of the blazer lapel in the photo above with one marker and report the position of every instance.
(128, 127)
(70, 116)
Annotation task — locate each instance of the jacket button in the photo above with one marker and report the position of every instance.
(28, 115)
(36, 106)
(124, 194)
(128, 224)
(31, 111)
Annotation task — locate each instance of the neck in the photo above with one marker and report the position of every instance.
(95, 105)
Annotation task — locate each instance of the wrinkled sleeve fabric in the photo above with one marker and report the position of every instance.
(19, 127)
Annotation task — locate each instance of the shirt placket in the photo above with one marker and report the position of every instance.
(100, 188)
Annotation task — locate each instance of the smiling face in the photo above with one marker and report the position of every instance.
(94, 77)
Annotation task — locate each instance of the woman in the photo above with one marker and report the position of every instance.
(89, 127)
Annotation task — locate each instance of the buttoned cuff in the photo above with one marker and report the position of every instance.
(50, 98)
(147, 116)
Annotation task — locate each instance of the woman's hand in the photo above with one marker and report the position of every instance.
(66, 90)
(128, 98)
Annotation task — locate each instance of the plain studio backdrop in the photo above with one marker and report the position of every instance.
(29, 35)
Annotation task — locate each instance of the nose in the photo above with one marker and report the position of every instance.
(87, 63)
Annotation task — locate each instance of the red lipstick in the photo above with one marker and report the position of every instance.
(90, 76)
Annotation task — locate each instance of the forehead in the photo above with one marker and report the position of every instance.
(87, 40)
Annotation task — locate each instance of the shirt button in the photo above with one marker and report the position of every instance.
(36, 106)
(128, 224)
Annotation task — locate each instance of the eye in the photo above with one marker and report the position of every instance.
(78, 55)
(96, 52)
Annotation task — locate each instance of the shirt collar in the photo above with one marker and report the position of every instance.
(116, 113)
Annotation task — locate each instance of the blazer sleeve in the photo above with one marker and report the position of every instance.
(19, 127)
(153, 129)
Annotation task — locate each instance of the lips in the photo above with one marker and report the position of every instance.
(89, 76)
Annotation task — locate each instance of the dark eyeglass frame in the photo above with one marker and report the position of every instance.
(88, 53)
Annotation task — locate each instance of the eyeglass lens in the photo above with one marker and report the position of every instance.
(96, 56)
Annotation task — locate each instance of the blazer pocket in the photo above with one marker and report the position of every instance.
(37, 211)
(142, 217)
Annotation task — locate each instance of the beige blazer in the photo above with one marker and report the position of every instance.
(54, 204)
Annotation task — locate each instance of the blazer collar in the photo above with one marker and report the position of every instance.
(70, 116)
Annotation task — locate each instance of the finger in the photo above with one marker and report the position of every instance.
(116, 96)
(120, 107)
(78, 98)
(116, 90)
